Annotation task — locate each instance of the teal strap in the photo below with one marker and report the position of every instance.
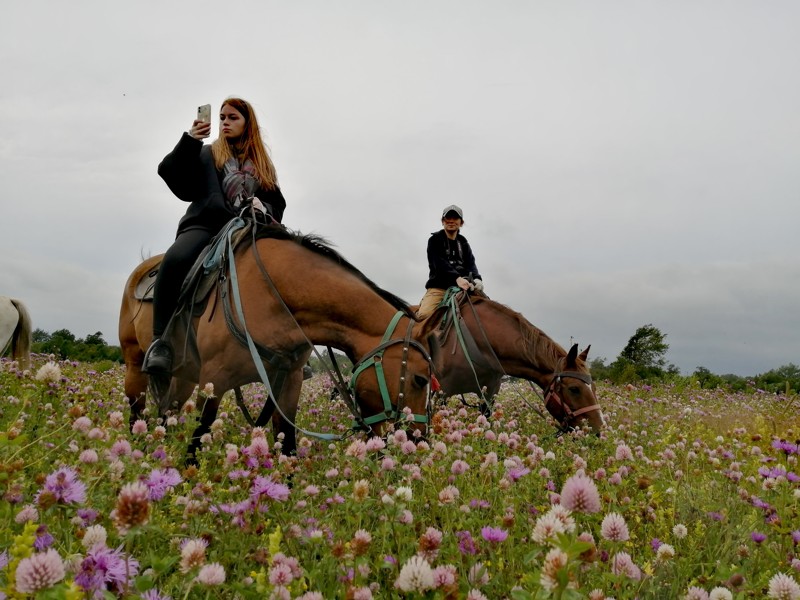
(234, 283)
(451, 298)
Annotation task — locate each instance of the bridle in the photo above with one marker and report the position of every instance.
(553, 400)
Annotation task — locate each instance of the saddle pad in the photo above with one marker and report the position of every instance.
(144, 287)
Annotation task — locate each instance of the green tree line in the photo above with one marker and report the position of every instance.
(65, 346)
(643, 360)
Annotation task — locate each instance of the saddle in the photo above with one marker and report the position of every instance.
(453, 331)
(203, 274)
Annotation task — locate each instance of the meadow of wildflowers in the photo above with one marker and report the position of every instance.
(688, 493)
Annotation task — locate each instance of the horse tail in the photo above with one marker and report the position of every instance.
(21, 340)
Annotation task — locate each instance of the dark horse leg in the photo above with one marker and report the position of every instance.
(288, 401)
(490, 391)
(290, 396)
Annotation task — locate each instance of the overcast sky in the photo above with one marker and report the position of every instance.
(619, 163)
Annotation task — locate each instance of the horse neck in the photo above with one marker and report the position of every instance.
(353, 320)
(523, 349)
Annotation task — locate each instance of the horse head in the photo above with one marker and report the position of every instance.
(570, 396)
(392, 384)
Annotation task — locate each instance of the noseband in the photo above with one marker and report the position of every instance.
(374, 359)
(552, 397)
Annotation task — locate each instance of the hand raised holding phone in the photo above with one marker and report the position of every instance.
(201, 127)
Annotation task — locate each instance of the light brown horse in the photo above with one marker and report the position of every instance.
(15, 330)
(500, 341)
(293, 290)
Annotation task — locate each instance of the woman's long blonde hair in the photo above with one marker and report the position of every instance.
(249, 145)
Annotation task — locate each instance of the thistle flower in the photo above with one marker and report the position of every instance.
(161, 481)
(133, 507)
(415, 576)
(783, 587)
(614, 528)
(494, 535)
(106, 569)
(64, 486)
(580, 494)
(39, 572)
(266, 488)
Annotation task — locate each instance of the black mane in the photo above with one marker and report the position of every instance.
(321, 246)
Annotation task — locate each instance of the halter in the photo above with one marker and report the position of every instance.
(552, 396)
(374, 359)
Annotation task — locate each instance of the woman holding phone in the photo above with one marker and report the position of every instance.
(216, 179)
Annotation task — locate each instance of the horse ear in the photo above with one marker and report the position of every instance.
(571, 356)
(585, 354)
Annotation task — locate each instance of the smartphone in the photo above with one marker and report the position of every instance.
(204, 113)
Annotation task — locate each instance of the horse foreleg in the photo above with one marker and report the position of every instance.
(209, 413)
(290, 397)
(135, 384)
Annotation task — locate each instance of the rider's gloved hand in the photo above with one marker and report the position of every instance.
(464, 283)
(477, 285)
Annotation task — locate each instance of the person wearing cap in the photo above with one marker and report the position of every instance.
(450, 262)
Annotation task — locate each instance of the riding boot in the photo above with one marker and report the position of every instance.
(158, 358)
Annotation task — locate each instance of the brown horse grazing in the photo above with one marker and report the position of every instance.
(500, 341)
(15, 330)
(294, 291)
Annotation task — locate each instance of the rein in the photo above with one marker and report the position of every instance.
(372, 359)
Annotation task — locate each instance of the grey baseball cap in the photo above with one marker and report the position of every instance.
(453, 208)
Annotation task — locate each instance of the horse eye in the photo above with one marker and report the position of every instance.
(574, 389)
(420, 381)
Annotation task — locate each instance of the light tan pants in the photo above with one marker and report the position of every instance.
(429, 302)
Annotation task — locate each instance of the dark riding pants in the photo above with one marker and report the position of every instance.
(177, 262)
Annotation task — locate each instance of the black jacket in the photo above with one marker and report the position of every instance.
(448, 260)
(190, 173)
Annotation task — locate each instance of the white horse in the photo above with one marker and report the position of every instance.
(15, 330)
